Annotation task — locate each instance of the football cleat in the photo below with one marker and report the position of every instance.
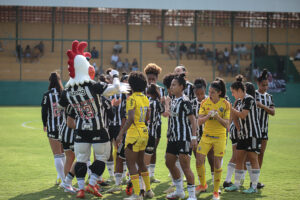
(129, 188)
(115, 188)
(216, 196)
(149, 194)
(80, 194)
(231, 188)
(226, 184)
(170, 189)
(176, 195)
(250, 191)
(93, 190)
(201, 188)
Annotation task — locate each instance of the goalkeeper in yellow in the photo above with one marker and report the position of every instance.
(214, 113)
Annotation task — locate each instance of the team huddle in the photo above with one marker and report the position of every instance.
(121, 120)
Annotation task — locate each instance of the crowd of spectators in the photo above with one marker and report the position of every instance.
(30, 54)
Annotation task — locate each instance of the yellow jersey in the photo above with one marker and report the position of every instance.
(140, 104)
(212, 127)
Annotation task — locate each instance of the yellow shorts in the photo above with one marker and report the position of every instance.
(138, 137)
(206, 143)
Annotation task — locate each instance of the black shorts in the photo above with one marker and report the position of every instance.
(264, 135)
(158, 131)
(97, 136)
(66, 136)
(250, 144)
(113, 132)
(121, 149)
(179, 147)
(233, 137)
(150, 148)
(53, 135)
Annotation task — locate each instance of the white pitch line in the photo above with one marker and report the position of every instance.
(26, 126)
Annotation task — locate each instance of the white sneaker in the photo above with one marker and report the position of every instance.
(176, 195)
(134, 197)
(67, 188)
(115, 188)
(149, 194)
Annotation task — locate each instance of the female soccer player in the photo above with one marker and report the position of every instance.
(265, 107)
(52, 119)
(234, 129)
(152, 71)
(182, 139)
(199, 91)
(215, 113)
(249, 142)
(156, 108)
(189, 90)
(137, 109)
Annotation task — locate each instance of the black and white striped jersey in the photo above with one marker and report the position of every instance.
(156, 108)
(66, 134)
(250, 125)
(232, 129)
(196, 107)
(267, 100)
(109, 114)
(87, 103)
(179, 127)
(51, 114)
(189, 90)
(118, 110)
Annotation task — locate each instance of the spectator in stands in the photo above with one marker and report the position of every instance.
(96, 68)
(172, 50)
(297, 56)
(255, 72)
(126, 65)
(94, 53)
(182, 50)
(229, 68)
(244, 52)
(41, 48)
(134, 65)
(19, 52)
(35, 54)
(221, 69)
(27, 54)
(192, 51)
(209, 56)
(1, 46)
(119, 64)
(117, 48)
(201, 51)
(226, 55)
(114, 59)
(263, 50)
(220, 56)
(236, 50)
(236, 67)
(257, 51)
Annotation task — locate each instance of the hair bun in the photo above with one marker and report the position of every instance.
(182, 75)
(264, 74)
(239, 78)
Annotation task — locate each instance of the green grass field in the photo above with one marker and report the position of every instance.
(28, 172)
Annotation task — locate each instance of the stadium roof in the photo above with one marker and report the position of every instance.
(217, 5)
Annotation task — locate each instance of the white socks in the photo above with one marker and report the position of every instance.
(254, 177)
(249, 168)
(110, 168)
(80, 182)
(179, 167)
(230, 170)
(179, 185)
(118, 177)
(69, 178)
(59, 165)
(151, 170)
(93, 179)
(124, 170)
(238, 175)
(191, 191)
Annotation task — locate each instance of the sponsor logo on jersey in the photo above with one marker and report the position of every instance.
(96, 138)
(221, 109)
(77, 92)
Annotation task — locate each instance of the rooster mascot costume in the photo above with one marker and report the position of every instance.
(84, 95)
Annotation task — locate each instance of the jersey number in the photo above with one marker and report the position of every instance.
(143, 114)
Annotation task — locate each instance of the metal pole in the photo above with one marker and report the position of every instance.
(53, 28)
(287, 48)
(163, 14)
(17, 25)
(101, 39)
(177, 38)
(141, 44)
(89, 29)
(127, 30)
(268, 32)
(214, 47)
(252, 52)
(62, 42)
(195, 30)
(232, 30)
